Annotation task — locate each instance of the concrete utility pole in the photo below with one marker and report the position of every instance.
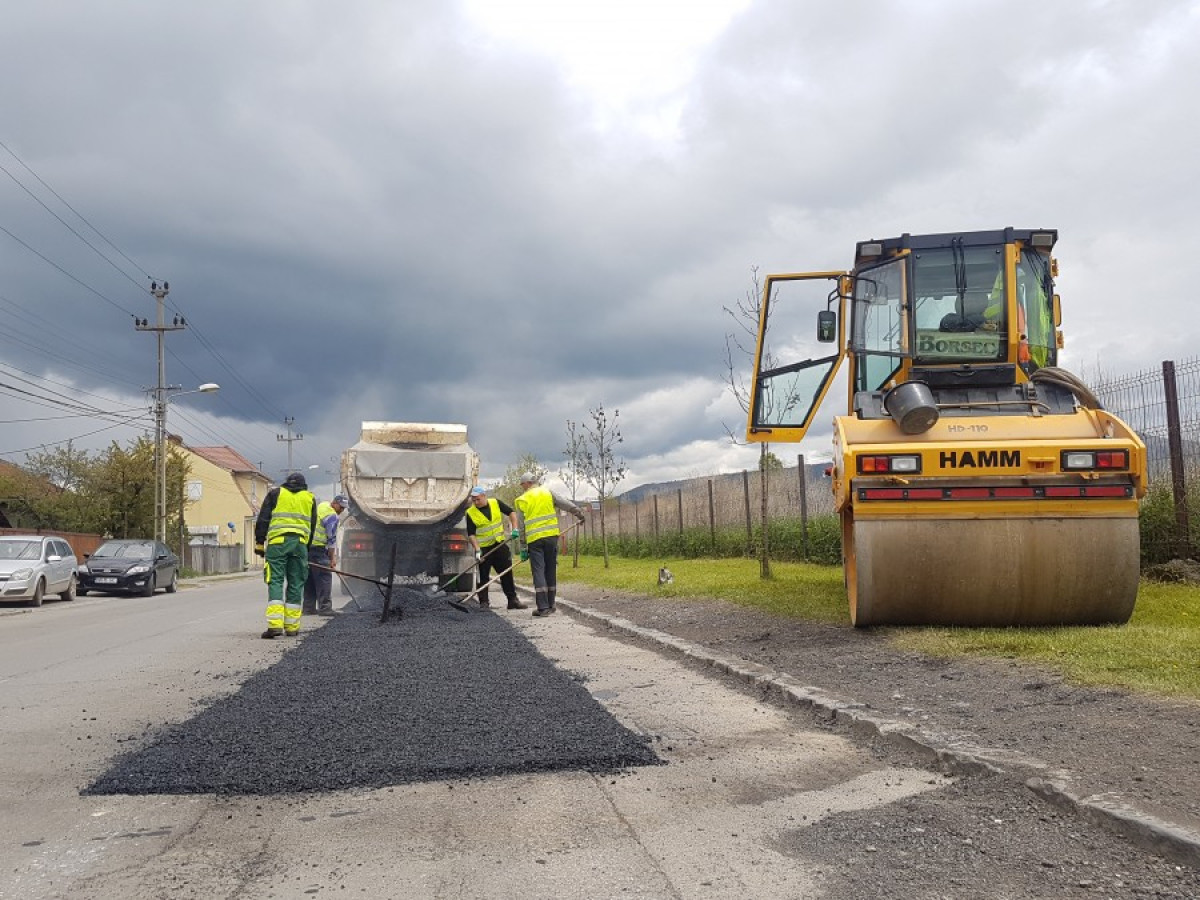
(160, 407)
(290, 438)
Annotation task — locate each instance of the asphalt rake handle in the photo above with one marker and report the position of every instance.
(500, 575)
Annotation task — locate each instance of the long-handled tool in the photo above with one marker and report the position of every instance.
(500, 575)
(385, 587)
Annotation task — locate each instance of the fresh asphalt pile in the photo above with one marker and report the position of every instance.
(436, 694)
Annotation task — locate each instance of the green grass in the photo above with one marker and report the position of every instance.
(1158, 651)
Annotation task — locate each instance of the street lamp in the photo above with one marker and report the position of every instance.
(161, 397)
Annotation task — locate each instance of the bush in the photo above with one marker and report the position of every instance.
(786, 543)
(1156, 522)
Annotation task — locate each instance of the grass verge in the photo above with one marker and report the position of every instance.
(1158, 651)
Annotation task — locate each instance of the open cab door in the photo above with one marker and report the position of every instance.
(789, 380)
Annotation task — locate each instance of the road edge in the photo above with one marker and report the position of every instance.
(948, 754)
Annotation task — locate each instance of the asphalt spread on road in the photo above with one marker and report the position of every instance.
(437, 694)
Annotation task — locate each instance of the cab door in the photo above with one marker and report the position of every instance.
(790, 380)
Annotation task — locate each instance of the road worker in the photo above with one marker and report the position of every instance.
(539, 507)
(318, 588)
(282, 534)
(490, 524)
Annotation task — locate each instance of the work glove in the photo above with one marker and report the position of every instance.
(579, 517)
(478, 556)
(259, 550)
(524, 555)
(515, 534)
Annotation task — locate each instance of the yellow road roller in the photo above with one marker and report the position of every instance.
(977, 483)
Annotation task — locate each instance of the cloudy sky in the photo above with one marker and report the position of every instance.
(507, 213)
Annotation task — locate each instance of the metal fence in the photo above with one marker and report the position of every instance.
(710, 507)
(1163, 406)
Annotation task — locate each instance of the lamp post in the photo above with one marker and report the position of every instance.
(162, 396)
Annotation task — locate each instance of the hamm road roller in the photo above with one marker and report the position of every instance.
(977, 482)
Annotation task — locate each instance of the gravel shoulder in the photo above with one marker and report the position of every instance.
(1136, 755)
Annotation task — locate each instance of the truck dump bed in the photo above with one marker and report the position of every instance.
(410, 473)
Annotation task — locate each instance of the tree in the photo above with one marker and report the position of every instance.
(740, 345)
(769, 462)
(65, 504)
(509, 487)
(601, 469)
(572, 473)
(110, 493)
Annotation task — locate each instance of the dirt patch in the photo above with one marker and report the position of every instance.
(1097, 741)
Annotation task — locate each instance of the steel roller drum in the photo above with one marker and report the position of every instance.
(991, 572)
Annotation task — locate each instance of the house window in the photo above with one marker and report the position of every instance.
(195, 490)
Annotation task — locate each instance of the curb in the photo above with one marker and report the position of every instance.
(950, 755)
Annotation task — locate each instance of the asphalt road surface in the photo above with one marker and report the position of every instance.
(156, 747)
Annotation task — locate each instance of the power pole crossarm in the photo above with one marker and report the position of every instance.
(290, 438)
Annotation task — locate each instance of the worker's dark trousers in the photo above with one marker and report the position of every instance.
(497, 558)
(318, 589)
(543, 565)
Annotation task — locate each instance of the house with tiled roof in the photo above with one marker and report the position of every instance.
(224, 491)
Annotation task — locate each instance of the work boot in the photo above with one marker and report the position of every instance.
(549, 611)
(484, 601)
(326, 611)
(287, 633)
(514, 603)
(271, 633)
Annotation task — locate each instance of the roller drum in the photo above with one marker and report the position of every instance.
(991, 572)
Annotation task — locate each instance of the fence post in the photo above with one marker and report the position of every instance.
(679, 494)
(1175, 447)
(656, 523)
(803, 508)
(749, 526)
(637, 528)
(764, 568)
(712, 518)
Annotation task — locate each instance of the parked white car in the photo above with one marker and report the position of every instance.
(34, 565)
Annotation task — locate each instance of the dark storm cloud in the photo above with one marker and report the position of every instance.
(376, 212)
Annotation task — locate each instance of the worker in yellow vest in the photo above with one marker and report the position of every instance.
(539, 507)
(282, 534)
(318, 589)
(490, 524)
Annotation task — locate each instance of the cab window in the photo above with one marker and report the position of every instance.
(1035, 293)
(958, 304)
(877, 333)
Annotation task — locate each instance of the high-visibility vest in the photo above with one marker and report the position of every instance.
(487, 531)
(541, 518)
(292, 515)
(324, 511)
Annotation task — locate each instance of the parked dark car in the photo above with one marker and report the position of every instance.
(130, 567)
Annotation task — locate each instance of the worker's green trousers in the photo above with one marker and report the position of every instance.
(287, 570)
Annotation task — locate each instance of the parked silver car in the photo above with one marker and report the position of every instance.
(34, 565)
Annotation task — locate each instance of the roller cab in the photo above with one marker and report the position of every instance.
(977, 483)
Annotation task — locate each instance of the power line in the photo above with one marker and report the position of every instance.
(78, 281)
(70, 439)
(96, 249)
(13, 154)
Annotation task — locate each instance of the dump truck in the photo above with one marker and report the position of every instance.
(977, 482)
(408, 484)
